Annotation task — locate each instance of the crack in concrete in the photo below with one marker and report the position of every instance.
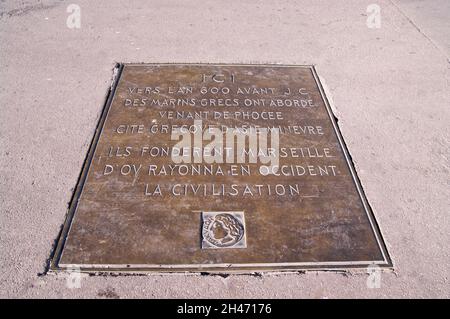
(26, 10)
(415, 26)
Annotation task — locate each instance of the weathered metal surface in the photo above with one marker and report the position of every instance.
(136, 210)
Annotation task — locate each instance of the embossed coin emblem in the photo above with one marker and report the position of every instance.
(223, 230)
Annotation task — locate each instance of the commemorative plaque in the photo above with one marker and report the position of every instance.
(199, 167)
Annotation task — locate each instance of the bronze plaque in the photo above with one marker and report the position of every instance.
(218, 168)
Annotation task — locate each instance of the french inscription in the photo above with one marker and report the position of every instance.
(184, 152)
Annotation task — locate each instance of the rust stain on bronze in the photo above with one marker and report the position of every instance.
(136, 209)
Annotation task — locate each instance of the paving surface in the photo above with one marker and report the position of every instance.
(389, 88)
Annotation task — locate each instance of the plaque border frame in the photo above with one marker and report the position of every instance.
(58, 248)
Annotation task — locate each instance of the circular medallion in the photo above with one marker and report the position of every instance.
(223, 230)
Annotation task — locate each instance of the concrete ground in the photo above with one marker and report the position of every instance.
(389, 87)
